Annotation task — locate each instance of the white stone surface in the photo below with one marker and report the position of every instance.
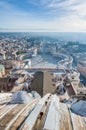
(4, 96)
(52, 119)
(30, 121)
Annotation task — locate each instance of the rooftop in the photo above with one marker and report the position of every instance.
(32, 115)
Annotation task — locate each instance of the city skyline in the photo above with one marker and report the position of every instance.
(43, 15)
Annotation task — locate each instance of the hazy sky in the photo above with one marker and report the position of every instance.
(43, 15)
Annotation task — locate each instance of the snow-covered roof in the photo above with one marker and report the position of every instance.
(56, 115)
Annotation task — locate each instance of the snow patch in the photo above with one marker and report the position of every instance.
(20, 97)
(35, 94)
(79, 108)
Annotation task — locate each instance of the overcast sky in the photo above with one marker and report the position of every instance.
(43, 15)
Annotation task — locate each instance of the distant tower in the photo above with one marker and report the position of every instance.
(4, 57)
(29, 63)
(41, 46)
(35, 51)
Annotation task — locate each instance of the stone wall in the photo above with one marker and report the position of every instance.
(6, 84)
(43, 83)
